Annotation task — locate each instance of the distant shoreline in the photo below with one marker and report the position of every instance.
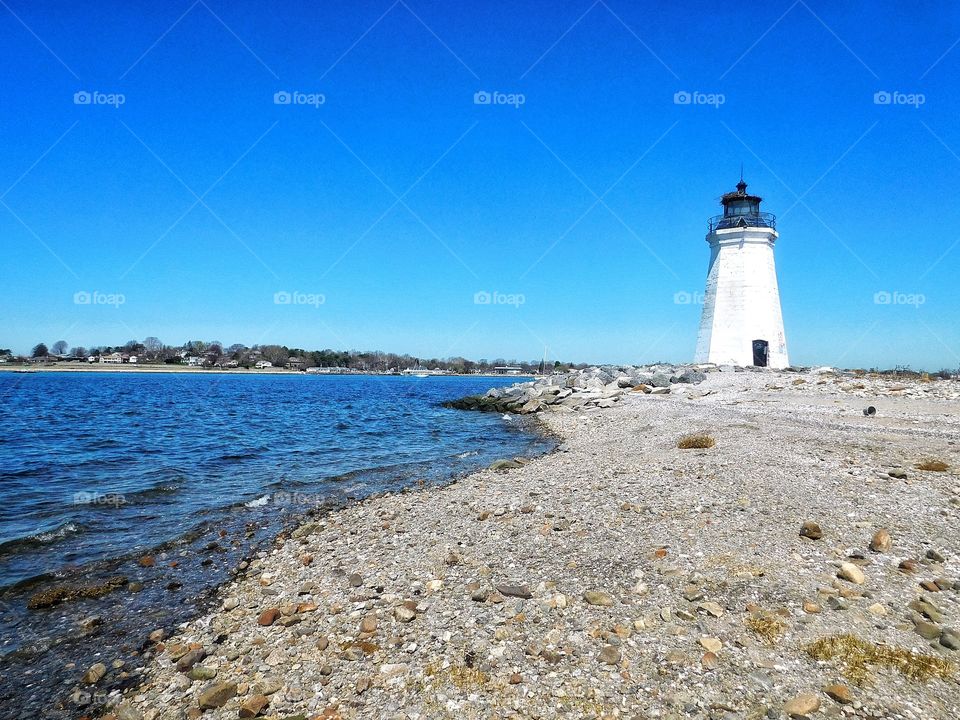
(98, 367)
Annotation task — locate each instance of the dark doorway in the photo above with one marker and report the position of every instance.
(760, 349)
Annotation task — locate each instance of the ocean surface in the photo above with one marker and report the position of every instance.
(194, 472)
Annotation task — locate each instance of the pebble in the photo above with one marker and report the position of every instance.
(811, 530)
(404, 614)
(231, 603)
(95, 673)
(610, 655)
(881, 542)
(368, 624)
(253, 706)
(519, 591)
(950, 639)
(598, 597)
(801, 705)
(217, 695)
(711, 644)
(849, 571)
(268, 617)
(840, 693)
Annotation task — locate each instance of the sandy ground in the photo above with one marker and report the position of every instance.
(619, 576)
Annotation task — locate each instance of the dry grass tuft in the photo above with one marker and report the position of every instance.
(857, 655)
(696, 442)
(933, 466)
(799, 381)
(770, 628)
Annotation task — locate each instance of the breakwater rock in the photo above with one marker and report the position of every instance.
(591, 387)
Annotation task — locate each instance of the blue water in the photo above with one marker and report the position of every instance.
(95, 465)
(99, 469)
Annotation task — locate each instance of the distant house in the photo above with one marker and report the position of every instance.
(192, 360)
(263, 364)
(507, 370)
(295, 363)
(113, 358)
(132, 360)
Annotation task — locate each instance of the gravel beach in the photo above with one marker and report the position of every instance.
(802, 566)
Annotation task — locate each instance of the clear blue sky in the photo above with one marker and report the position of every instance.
(496, 198)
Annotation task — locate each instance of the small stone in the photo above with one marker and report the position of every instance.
(926, 630)
(711, 608)
(190, 658)
(849, 571)
(950, 639)
(710, 661)
(268, 617)
(515, 679)
(305, 560)
(881, 542)
(907, 566)
(435, 586)
(811, 530)
(609, 655)
(929, 586)
(598, 597)
(202, 673)
(811, 607)
(840, 693)
(711, 644)
(231, 603)
(935, 555)
(147, 561)
(95, 673)
(877, 609)
(355, 580)
(157, 635)
(217, 695)
(368, 624)
(801, 705)
(898, 473)
(253, 706)
(480, 595)
(404, 614)
(520, 591)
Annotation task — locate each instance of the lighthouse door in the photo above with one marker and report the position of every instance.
(760, 348)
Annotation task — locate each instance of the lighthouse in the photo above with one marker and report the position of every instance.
(741, 322)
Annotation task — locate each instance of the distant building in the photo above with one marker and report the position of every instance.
(507, 370)
(295, 363)
(263, 364)
(113, 358)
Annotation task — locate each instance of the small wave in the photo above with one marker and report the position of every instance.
(45, 537)
(468, 453)
(259, 502)
(234, 457)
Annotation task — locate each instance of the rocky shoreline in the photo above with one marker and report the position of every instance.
(802, 563)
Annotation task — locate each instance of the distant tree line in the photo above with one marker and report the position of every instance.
(212, 353)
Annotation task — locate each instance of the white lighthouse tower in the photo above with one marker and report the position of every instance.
(741, 322)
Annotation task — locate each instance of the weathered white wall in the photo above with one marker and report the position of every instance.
(742, 299)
